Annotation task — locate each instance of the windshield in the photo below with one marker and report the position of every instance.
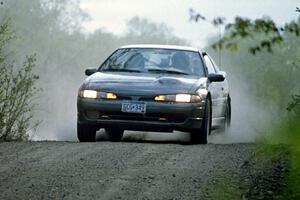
(141, 60)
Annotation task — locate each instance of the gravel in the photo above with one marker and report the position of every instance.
(124, 170)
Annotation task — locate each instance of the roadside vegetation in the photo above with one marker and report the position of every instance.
(266, 57)
(17, 90)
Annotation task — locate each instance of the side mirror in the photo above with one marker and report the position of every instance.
(216, 77)
(90, 71)
(223, 73)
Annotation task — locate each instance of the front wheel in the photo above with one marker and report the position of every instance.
(227, 116)
(86, 133)
(114, 134)
(199, 136)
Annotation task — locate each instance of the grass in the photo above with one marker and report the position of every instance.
(288, 133)
(292, 131)
(225, 188)
(280, 148)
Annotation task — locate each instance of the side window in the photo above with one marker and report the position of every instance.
(209, 65)
(214, 64)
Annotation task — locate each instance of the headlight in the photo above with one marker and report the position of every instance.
(93, 94)
(184, 98)
(179, 98)
(90, 94)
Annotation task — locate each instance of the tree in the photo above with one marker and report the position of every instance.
(17, 90)
(276, 78)
(141, 30)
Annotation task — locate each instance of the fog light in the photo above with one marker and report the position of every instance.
(160, 98)
(111, 96)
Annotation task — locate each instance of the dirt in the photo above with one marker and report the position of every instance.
(131, 169)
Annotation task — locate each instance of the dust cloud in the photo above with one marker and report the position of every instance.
(58, 116)
(249, 117)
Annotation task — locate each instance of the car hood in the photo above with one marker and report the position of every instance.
(143, 84)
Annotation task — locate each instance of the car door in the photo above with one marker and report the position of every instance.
(216, 90)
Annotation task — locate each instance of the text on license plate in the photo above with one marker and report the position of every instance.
(134, 107)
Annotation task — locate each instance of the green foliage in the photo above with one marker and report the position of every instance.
(294, 105)
(273, 73)
(265, 35)
(247, 29)
(265, 32)
(270, 79)
(289, 132)
(17, 89)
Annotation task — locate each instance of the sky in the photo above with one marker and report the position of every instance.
(112, 15)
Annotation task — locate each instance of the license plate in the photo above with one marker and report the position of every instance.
(134, 107)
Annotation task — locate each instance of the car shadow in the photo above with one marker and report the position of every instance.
(176, 137)
(149, 137)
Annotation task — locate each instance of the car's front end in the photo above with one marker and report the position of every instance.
(128, 107)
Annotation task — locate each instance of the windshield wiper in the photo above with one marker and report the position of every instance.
(121, 70)
(167, 71)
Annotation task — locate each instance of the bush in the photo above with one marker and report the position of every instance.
(294, 105)
(17, 90)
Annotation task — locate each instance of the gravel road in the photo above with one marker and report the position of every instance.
(131, 169)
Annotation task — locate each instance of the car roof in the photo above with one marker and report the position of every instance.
(156, 46)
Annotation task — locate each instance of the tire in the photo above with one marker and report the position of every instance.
(227, 116)
(199, 136)
(86, 133)
(114, 134)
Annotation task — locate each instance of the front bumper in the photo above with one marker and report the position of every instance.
(158, 117)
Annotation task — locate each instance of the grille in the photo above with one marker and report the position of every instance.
(92, 114)
(175, 118)
(137, 98)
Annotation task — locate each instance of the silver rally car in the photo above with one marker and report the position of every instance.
(153, 88)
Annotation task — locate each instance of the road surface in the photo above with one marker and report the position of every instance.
(131, 169)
